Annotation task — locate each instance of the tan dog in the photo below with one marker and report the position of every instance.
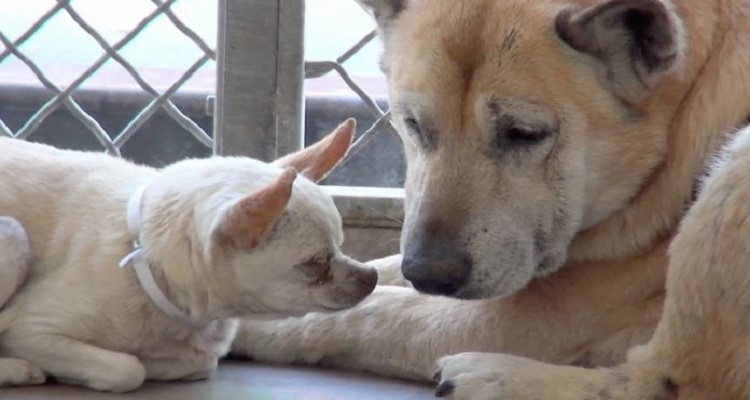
(553, 147)
(221, 238)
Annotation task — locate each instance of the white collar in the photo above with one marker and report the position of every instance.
(142, 267)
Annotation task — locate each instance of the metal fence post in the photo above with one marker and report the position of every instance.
(260, 75)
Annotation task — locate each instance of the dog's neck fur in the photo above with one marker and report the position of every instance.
(655, 212)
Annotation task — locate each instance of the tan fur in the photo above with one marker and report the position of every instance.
(701, 346)
(216, 232)
(629, 141)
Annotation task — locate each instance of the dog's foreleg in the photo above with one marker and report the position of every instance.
(398, 332)
(389, 271)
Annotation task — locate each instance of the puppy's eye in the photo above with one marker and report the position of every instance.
(318, 273)
(318, 268)
(519, 136)
(322, 258)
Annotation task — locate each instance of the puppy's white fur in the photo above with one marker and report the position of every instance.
(225, 237)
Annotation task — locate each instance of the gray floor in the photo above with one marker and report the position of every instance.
(247, 381)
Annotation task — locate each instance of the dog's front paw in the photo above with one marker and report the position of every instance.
(473, 376)
(488, 376)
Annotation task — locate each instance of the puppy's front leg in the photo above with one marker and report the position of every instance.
(75, 362)
(15, 372)
(172, 369)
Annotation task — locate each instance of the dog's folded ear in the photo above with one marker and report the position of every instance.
(385, 12)
(317, 161)
(245, 222)
(636, 40)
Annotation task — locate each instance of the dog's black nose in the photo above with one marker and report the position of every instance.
(436, 271)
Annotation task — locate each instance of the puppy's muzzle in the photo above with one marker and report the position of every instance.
(367, 280)
(360, 281)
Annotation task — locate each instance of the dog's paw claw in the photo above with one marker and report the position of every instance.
(473, 376)
(445, 389)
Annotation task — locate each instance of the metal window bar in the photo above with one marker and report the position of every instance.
(259, 106)
(259, 99)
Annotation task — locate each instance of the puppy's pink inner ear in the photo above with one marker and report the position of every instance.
(245, 223)
(317, 161)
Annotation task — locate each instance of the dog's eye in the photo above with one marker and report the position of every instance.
(521, 136)
(413, 126)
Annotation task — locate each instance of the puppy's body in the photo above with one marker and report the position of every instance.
(217, 234)
(72, 206)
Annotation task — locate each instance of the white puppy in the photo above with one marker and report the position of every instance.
(200, 242)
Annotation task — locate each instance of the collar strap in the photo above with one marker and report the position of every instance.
(142, 267)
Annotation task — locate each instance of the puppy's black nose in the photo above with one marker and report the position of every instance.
(368, 280)
(436, 271)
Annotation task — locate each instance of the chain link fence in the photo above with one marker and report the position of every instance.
(317, 69)
(112, 142)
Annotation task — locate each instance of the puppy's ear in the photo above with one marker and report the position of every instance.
(245, 222)
(636, 40)
(317, 161)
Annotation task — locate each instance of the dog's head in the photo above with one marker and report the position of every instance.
(523, 123)
(268, 239)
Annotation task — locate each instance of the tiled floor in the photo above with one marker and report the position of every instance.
(246, 381)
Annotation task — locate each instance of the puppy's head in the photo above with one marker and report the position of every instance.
(267, 236)
(523, 124)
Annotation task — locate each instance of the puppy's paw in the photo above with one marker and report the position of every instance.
(125, 376)
(15, 372)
